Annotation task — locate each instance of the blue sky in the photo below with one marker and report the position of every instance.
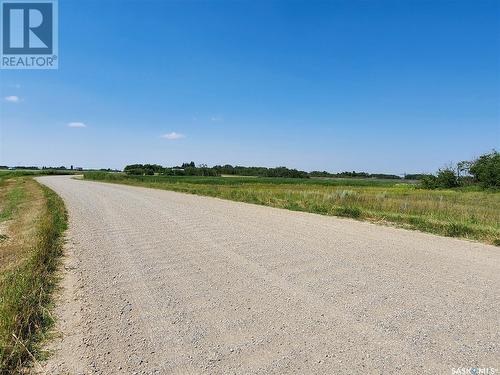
(379, 86)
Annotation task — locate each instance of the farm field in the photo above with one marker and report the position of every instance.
(465, 213)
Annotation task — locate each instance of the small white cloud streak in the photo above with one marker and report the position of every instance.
(217, 118)
(76, 125)
(173, 136)
(12, 99)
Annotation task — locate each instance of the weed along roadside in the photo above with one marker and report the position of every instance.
(32, 222)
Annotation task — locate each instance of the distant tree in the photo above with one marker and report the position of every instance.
(133, 166)
(446, 178)
(135, 171)
(429, 182)
(151, 169)
(416, 176)
(463, 168)
(486, 170)
(143, 169)
(385, 176)
(320, 174)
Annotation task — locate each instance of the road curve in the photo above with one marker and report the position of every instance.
(158, 282)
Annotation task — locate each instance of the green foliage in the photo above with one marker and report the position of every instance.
(135, 171)
(429, 182)
(483, 172)
(239, 170)
(446, 178)
(191, 171)
(12, 201)
(143, 169)
(353, 212)
(486, 170)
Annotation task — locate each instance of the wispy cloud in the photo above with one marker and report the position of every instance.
(12, 99)
(76, 125)
(173, 136)
(216, 118)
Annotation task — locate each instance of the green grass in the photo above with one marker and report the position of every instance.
(25, 288)
(465, 213)
(12, 200)
(4, 173)
(249, 180)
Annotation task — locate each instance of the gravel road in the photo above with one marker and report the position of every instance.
(158, 282)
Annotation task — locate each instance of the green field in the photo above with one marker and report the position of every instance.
(466, 213)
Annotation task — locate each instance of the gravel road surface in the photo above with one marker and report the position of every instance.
(158, 282)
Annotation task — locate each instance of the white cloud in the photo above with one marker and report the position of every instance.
(173, 136)
(12, 99)
(217, 118)
(76, 125)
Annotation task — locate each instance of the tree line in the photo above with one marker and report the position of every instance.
(191, 169)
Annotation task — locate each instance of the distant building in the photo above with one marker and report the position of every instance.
(77, 168)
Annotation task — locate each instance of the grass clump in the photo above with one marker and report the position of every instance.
(353, 212)
(26, 285)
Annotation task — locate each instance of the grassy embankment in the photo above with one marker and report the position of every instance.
(32, 220)
(465, 213)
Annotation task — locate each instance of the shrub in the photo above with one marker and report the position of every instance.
(446, 178)
(486, 170)
(429, 182)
